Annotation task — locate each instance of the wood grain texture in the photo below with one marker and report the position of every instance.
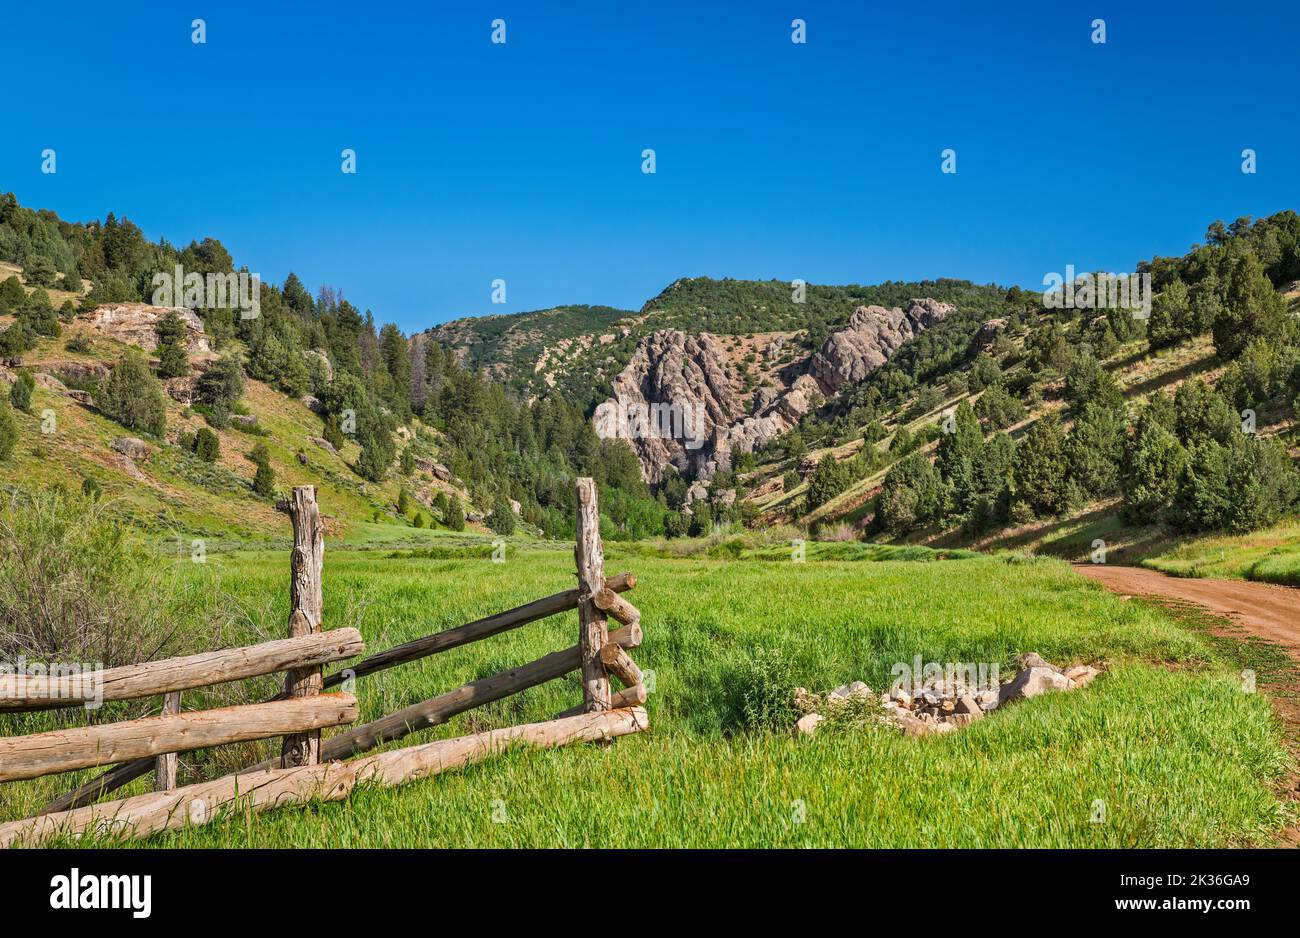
(440, 709)
(165, 765)
(88, 746)
(306, 604)
(19, 692)
(332, 781)
(593, 629)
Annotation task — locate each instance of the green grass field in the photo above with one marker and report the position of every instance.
(1166, 739)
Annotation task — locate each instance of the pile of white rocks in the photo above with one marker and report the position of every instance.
(940, 705)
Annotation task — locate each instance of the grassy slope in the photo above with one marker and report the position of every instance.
(174, 491)
(1178, 753)
(1272, 554)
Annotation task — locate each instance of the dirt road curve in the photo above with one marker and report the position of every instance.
(1271, 612)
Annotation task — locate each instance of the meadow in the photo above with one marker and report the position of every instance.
(1165, 741)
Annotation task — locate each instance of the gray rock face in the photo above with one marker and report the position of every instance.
(132, 447)
(135, 323)
(678, 403)
(872, 335)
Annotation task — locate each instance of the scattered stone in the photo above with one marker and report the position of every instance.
(1033, 659)
(324, 444)
(1033, 681)
(244, 421)
(808, 723)
(1082, 674)
(132, 447)
(312, 403)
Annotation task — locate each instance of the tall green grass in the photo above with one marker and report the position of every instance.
(1166, 739)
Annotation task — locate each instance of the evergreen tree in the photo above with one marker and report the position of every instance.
(1040, 476)
(20, 393)
(8, 430)
(264, 478)
(132, 396)
(1252, 308)
(455, 517)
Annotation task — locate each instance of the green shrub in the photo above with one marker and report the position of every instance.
(132, 396)
(8, 430)
(20, 393)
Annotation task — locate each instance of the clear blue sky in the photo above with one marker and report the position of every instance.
(522, 161)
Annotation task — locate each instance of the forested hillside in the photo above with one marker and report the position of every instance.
(1001, 415)
(1184, 422)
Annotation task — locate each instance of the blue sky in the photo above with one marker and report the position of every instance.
(523, 161)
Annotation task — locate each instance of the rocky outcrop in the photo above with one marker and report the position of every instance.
(678, 403)
(135, 324)
(988, 332)
(132, 447)
(872, 335)
(671, 402)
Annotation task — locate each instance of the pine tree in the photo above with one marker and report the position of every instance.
(132, 396)
(8, 430)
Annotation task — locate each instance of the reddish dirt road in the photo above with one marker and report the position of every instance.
(1261, 609)
(1271, 612)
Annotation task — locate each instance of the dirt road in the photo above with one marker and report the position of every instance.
(1271, 612)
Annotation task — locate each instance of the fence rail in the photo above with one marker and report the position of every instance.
(309, 767)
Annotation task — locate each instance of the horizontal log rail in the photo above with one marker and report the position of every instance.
(474, 631)
(31, 692)
(125, 773)
(256, 792)
(438, 710)
(84, 747)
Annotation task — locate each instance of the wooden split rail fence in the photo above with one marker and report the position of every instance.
(309, 767)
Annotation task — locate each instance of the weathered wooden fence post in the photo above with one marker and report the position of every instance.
(305, 607)
(164, 773)
(593, 627)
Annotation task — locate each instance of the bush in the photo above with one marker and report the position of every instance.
(8, 430)
(502, 519)
(39, 272)
(132, 396)
(91, 489)
(12, 295)
(760, 691)
(455, 517)
(75, 588)
(221, 384)
(1153, 462)
(264, 478)
(207, 445)
(830, 478)
(20, 393)
(1040, 476)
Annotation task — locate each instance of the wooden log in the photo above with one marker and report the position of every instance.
(593, 630)
(332, 781)
(628, 637)
(440, 709)
(88, 746)
(473, 631)
(306, 604)
(634, 696)
(617, 607)
(620, 664)
(20, 692)
(165, 765)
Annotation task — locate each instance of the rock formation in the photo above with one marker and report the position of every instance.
(135, 324)
(872, 335)
(678, 403)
